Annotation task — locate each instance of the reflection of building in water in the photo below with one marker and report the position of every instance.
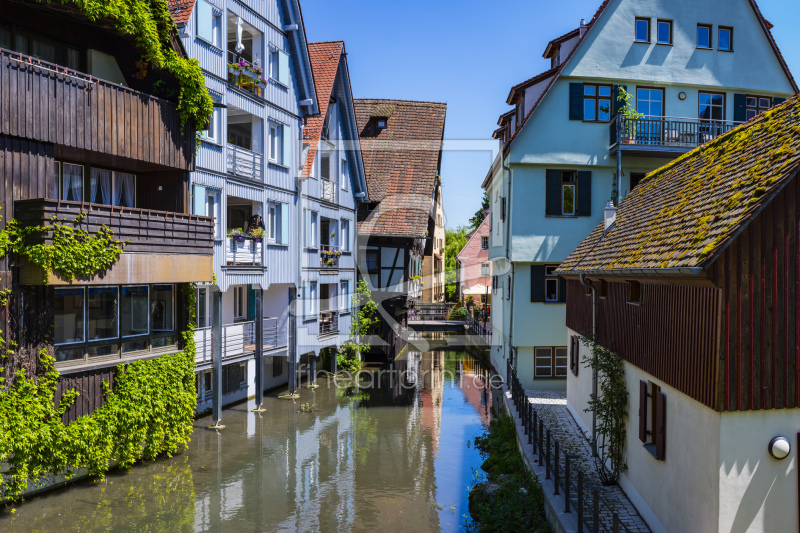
(433, 380)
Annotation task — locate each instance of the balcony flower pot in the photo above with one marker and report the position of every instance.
(257, 239)
(238, 238)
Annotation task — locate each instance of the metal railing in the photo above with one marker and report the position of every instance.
(245, 75)
(329, 256)
(245, 252)
(237, 339)
(581, 494)
(243, 163)
(667, 132)
(433, 311)
(328, 322)
(327, 190)
(478, 326)
(414, 288)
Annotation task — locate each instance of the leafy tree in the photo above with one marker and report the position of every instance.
(454, 242)
(348, 358)
(478, 217)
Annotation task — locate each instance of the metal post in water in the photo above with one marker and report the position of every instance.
(259, 353)
(216, 359)
(292, 343)
(333, 360)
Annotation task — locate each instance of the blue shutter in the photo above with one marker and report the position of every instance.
(199, 200)
(576, 101)
(739, 107)
(284, 224)
(537, 283)
(287, 146)
(307, 299)
(553, 193)
(283, 67)
(584, 193)
(308, 240)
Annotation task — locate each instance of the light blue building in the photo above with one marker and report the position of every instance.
(257, 69)
(693, 69)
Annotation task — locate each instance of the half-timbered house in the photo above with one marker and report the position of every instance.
(693, 281)
(401, 145)
(88, 132)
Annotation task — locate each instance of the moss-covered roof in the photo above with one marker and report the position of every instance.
(682, 215)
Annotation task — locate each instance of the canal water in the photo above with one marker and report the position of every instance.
(392, 454)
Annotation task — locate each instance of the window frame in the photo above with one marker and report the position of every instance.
(211, 135)
(486, 269)
(550, 276)
(215, 25)
(484, 242)
(758, 108)
(659, 22)
(240, 310)
(554, 366)
(275, 143)
(564, 186)
(344, 174)
(710, 28)
(597, 99)
(712, 106)
(637, 20)
(216, 195)
(729, 29)
(345, 228)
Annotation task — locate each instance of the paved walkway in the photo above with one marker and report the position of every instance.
(551, 407)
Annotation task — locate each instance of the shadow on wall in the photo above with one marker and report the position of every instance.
(765, 490)
(635, 55)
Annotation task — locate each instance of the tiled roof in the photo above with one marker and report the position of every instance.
(764, 24)
(382, 111)
(180, 10)
(325, 58)
(684, 214)
(401, 163)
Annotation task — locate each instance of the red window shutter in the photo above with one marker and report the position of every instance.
(572, 353)
(643, 411)
(660, 425)
(577, 355)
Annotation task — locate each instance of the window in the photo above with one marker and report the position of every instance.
(208, 22)
(212, 133)
(550, 362)
(568, 186)
(311, 228)
(484, 242)
(344, 295)
(345, 241)
(381, 124)
(650, 102)
(371, 262)
(275, 142)
(551, 284)
(310, 299)
(635, 292)
(664, 32)
(596, 103)
(703, 36)
(652, 419)
(757, 105)
(486, 269)
(344, 176)
(133, 311)
(278, 227)
(213, 210)
(69, 182)
(239, 303)
(69, 324)
(725, 39)
(162, 308)
(207, 379)
(40, 48)
(325, 166)
(203, 316)
(112, 188)
(642, 30)
(711, 106)
(278, 65)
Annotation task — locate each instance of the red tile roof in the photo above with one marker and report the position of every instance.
(325, 58)
(685, 214)
(180, 10)
(401, 163)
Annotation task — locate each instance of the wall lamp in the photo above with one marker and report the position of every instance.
(779, 448)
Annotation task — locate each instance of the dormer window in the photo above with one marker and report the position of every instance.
(382, 124)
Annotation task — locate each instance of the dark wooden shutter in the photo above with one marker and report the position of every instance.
(537, 283)
(576, 101)
(562, 290)
(643, 411)
(572, 353)
(739, 107)
(584, 193)
(660, 427)
(502, 208)
(553, 193)
(617, 105)
(777, 101)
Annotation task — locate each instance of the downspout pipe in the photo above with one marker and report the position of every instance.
(508, 254)
(594, 362)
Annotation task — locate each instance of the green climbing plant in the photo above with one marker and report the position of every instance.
(151, 25)
(348, 357)
(610, 408)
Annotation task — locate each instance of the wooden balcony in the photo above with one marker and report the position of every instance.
(48, 103)
(663, 136)
(162, 247)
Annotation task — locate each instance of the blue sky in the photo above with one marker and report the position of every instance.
(468, 56)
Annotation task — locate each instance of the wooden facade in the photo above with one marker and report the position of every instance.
(76, 112)
(733, 346)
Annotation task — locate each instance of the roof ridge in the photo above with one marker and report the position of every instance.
(398, 101)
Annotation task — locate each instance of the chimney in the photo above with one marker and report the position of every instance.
(583, 27)
(609, 215)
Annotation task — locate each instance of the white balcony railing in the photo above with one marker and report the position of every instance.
(414, 288)
(328, 190)
(246, 252)
(238, 339)
(244, 163)
(328, 322)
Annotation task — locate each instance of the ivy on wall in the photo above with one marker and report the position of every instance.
(151, 25)
(148, 413)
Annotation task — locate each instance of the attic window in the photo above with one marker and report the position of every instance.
(603, 290)
(635, 295)
(381, 123)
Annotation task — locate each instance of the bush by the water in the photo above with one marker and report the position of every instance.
(511, 499)
(458, 313)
